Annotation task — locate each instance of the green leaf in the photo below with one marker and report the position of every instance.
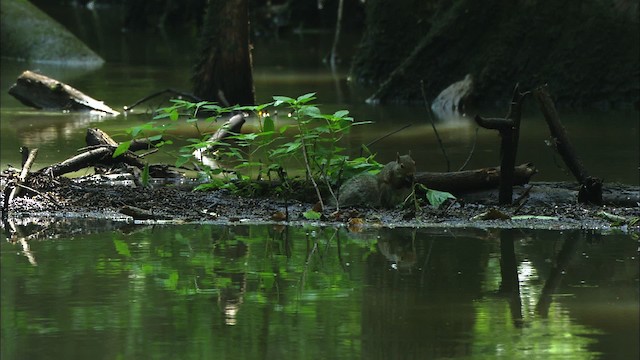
(122, 148)
(269, 126)
(436, 198)
(341, 113)
(292, 146)
(311, 111)
(306, 97)
(183, 159)
(311, 215)
(282, 99)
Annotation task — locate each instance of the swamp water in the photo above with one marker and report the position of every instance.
(118, 291)
(124, 291)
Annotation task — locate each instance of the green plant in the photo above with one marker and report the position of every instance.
(307, 138)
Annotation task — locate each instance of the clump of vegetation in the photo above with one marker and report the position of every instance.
(306, 139)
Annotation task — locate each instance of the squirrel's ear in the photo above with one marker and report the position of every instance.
(398, 157)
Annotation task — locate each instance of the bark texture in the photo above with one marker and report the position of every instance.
(224, 71)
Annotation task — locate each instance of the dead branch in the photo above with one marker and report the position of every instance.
(471, 180)
(41, 92)
(591, 187)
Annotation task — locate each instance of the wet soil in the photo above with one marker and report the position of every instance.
(546, 205)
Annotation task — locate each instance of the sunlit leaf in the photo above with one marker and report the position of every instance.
(122, 148)
(341, 113)
(306, 97)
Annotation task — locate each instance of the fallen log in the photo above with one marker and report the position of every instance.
(473, 180)
(96, 156)
(96, 137)
(41, 92)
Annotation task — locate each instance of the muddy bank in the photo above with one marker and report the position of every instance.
(546, 205)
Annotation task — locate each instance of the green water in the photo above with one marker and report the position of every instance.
(274, 292)
(96, 289)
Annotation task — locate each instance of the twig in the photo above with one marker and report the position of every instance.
(384, 137)
(149, 97)
(473, 148)
(521, 200)
(336, 38)
(39, 193)
(23, 174)
(433, 125)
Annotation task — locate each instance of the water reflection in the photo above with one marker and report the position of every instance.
(197, 291)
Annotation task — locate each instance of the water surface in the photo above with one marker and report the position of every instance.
(244, 292)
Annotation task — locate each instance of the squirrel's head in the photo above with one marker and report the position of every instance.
(406, 168)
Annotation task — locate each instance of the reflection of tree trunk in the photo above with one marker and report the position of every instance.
(223, 72)
(510, 284)
(563, 260)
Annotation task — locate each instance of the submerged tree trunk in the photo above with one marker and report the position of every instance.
(224, 70)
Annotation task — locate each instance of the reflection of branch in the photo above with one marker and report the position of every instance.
(306, 264)
(426, 262)
(27, 252)
(12, 230)
(510, 284)
(569, 248)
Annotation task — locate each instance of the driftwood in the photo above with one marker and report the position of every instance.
(41, 92)
(231, 127)
(26, 166)
(591, 187)
(99, 153)
(472, 180)
(509, 129)
(95, 156)
(97, 137)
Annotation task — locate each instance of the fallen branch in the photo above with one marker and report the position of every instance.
(23, 175)
(165, 91)
(233, 126)
(472, 180)
(591, 187)
(42, 92)
(102, 156)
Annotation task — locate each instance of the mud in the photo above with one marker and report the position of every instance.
(547, 206)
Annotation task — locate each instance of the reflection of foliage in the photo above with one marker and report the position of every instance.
(296, 293)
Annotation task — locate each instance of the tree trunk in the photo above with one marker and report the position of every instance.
(224, 70)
